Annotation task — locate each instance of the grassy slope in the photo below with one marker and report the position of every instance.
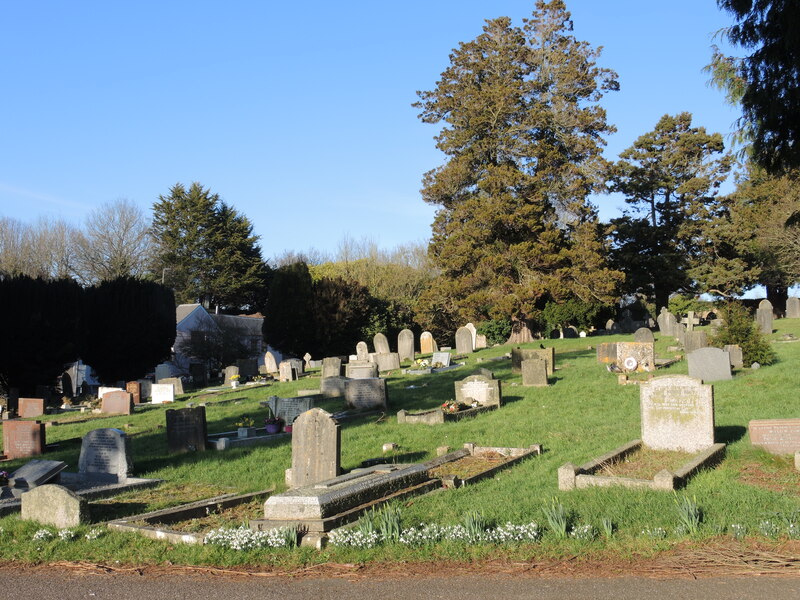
(583, 413)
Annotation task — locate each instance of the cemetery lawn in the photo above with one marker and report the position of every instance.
(583, 414)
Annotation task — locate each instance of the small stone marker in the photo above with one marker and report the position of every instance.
(361, 369)
(643, 335)
(362, 351)
(387, 362)
(677, 413)
(405, 345)
(117, 403)
(534, 372)
(764, 316)
(464, 341)
(520, 354)
(30, 407)
(636, 356)
(105, 456)
(230, 371)
(54, 505)
(187, 430)
(735, 353)
(441, 357)
(793, 308)
(134, 388)
(381, 344)
(270, 363)
(331, 367)
(289, 409)
(709, 364)
(177, 384)
(316, 447)
(367, 393)
(607, 353)
(480, 389)
(776, 436)
(23, 438)
(427, 344)
(162, 393)
(286, 371)
(694, 340)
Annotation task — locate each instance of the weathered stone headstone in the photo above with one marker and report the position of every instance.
(248, 367)
(636, 356)
(677, 413)
(441, 358)
(607, 352)
(480, 389)
(30, 407)
(105, 456)
(54, 505)
(361, 369)
(694, 340)
(23, 438)
(286, 372)
(187, 430)
(405, 345)
(117, 403)
(333, 387)
(177, 384)
(427, 344)
(735, 354)
(644, 335)
(134, 388)
(612, 326)
(145, 385)
(297, 365)
(520, 354)
(230, 371)
(474, 332)
(162, 393)
(331, 367)
(534, 372)
(793, 308)
(270, 363)
(316, 448)
(162, 372)
(679, 331)
(381, 344)
(776, 436)
(103, 390)
(367, 393)
(764, 316)
(464, 341)
(666, 320)
(289, 409)
(709, 364)
(480, 341)
(387, 362)
(362, 351)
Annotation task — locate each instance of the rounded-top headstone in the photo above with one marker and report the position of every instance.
(405, 345)
(464, 343)
(381, 344)
(362, 351)
(643, 334)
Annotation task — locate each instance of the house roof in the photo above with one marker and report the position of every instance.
(184, 310)
(251, 325)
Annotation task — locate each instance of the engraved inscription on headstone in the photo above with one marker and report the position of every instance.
(105, 456)
(776, 436)
(677, 413)
(366, 393)
(187, 430)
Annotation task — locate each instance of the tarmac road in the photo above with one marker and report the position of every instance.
(57, 585)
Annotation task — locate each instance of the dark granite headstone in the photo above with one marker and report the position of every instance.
(105, 456)
(187, 430)
(289, 409)
(23, 438)
(36, 472)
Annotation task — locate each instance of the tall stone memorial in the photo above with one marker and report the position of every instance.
(793, 308)
(464, 343)
(316, 448)
(677, 413)
(764, 316)
(405, 345)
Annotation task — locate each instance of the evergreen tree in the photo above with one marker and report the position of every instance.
(522, 132)
(341, 314)
(289, 313)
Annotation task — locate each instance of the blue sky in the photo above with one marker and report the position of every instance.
(298, 114)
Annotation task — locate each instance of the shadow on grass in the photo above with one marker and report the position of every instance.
(729, 433)
(110, 511)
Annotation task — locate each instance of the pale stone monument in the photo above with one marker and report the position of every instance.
(427, 345)
(464, 343)
(316, 448)
(405, 345)
(677, 413)
(709, 364)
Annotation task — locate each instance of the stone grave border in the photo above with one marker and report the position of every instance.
(230, 439)
(430, 370)
(437, 416)
(184, 512)
(571, 477)
(514, 455)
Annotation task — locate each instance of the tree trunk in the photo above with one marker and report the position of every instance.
(520, 332)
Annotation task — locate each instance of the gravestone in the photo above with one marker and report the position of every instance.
(134, 388)
(764, 316)
(187, 430)
(297, 365)
(442, 358)
(30, 407)
(103, 390)
(362, 351)
(162, 372)
(289, 409)
(361, 369)
(485, 373)
(316, 448)
(735, 354)
(146, 387)
(248, 368)
(286, 372)
(644, 335)
(709, 364)
(464, 341)
(177, 384)
(331, 367)
(367, 393)
(480, 389)
(793, 308)
(677, 413)
(387, 362)
(474, 333)
(105, 456)
(665, 322)
(679, 331)
(23, 438)
(607, 353)
(690, 320)
(569, 332)
(162, 393)
(611, 326)
(694, 340)
(405, 345)
(307, 358)
(270, 363)
(199, 374)
(333, 387)
(480, 341)
(54, 505)
(520, 354)
(117, 403)
(776, 436)
(36, 472)
(381, 344)
(427, 344)
(230, 371)
(636, 356)
(534, 372)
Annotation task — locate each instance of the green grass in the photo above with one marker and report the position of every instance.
(583, 414)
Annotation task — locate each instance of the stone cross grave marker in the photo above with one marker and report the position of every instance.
(690, 321)
(30, 407)
(105, 456)
(307, 358)
(776, 436)
(534, 372)
(54, 505)
(366, 393)
(118, 403)
(23, 438)
(331, 367)
(764, 316)
(709, 364)
(162, 393)
(316, 448)
(381, 344)
(677, 413)
(362, 351)
(793, 308)
(441, 357)
(480, 389)
(187, 430)
(405, 345)
(644, 335)
(427, 344)
(464, 344)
